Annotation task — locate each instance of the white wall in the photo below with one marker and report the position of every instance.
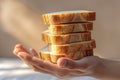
(106, 27)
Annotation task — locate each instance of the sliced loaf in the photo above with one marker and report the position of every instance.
(68, 17)
(66, 38)
(70, 28)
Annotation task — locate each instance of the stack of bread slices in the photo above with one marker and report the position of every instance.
(69, 35)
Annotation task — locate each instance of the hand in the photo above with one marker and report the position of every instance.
(88, 66)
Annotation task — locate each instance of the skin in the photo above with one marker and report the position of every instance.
(65, 68)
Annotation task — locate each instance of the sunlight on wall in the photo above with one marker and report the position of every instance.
(22, 22)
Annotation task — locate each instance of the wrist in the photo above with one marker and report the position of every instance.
(107, 69)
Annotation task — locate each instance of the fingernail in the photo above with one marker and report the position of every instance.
(64, 64)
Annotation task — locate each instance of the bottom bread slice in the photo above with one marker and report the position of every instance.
(46, 55)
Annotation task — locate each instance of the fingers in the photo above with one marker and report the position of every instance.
(27, 58)
(43, 66)
(24, 55)
(46, 67)
(33, 52)
(53, 68)
(78, 64)
(19, 48)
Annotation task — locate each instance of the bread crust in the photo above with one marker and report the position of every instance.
(47, 56)
(73, 47)
(70, 17)
(66, 38)
(68, 35)
(70, 28)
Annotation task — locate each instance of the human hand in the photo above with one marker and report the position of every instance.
(88, 66)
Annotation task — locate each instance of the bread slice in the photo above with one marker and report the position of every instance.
(46, 55)
(72, 47)
(80, 54)
(69, 17)
(70, 28)
(66, 38)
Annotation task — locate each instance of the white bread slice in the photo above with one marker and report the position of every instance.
(80, 54)
(68, 17)
(46, 55)
(70, 28)
(72, 47)
(66, 38)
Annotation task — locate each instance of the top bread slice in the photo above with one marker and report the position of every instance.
(69, 17)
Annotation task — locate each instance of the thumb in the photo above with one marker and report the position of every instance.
(83, 63)
(66, 63)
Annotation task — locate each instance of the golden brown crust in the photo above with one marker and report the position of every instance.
(47, 56)
(73, 47)
(44, 54)
(66, 38)
(68, 35)
(70, 28)
(80, 54)
(69, 17)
